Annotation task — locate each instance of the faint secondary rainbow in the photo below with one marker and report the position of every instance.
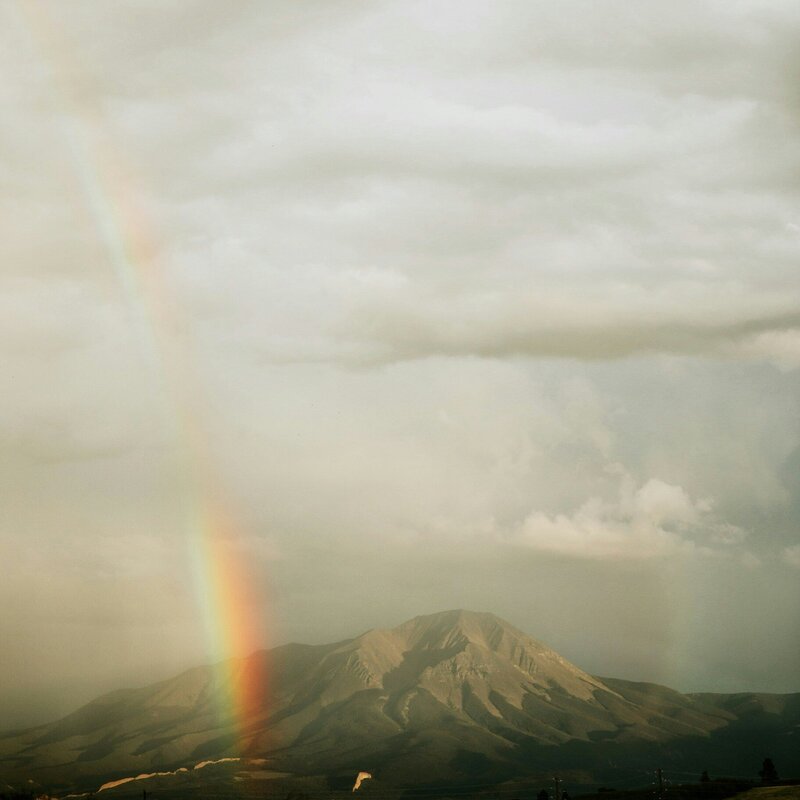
(226, 591)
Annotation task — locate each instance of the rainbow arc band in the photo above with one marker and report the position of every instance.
(226, 591)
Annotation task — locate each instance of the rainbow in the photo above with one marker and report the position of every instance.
(234, 622)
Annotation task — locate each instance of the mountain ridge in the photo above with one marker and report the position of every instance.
(464, 690)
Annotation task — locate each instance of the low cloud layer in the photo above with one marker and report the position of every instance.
(611, 325)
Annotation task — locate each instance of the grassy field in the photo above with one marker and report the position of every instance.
(771, 793)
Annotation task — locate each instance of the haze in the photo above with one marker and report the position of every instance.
(483, 305)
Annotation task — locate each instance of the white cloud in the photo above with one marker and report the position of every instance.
(653, 520)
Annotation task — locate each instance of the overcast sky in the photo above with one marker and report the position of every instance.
(489, 304)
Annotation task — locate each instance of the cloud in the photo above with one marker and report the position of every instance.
(779, 347)
(609, 325)
(654, 520)
(791, 555)
(524, 190)
(437, 264)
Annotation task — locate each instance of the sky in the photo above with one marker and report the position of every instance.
(492, 305)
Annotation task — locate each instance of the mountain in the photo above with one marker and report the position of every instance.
(446, 698)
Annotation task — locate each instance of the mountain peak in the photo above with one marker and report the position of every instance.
(447, 628)
(454, 652)
(459, 616)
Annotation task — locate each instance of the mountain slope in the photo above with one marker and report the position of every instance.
(460, 692)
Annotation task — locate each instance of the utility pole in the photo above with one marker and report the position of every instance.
(557, 782)
(660, 776)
